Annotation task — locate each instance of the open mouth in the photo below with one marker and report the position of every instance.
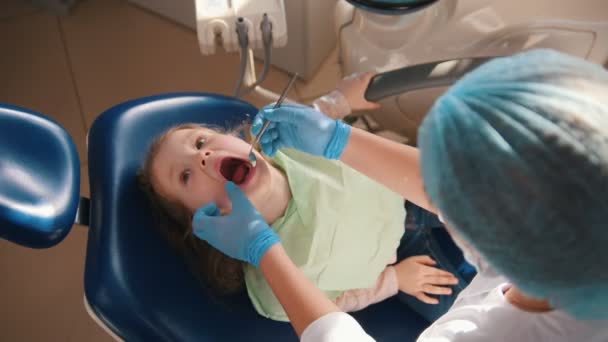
(236, 170)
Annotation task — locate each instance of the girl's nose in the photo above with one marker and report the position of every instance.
(206, 155)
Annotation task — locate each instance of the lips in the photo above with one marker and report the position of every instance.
(236, 170)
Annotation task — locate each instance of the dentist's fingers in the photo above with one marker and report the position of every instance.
(257, 124)
(282, 114)
(237, 197)
(274, 134)
(210, 209)
(270, 148)
(284, 105)
(275, 149)
(203, 218)
(270, 136)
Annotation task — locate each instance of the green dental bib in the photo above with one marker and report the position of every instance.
(340, 228)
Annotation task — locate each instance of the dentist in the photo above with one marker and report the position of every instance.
(515, 159)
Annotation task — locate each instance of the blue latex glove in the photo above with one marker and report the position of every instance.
(243, 234)
(302, 128)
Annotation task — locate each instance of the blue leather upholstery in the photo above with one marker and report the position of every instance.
(133, 281)
(39, 179)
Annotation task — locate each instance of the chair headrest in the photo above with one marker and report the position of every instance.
(39, 178)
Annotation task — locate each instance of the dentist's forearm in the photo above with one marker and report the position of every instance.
(395, 165)
(303, 302)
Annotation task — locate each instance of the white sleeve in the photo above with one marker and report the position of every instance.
(335, 327)
(333, 105)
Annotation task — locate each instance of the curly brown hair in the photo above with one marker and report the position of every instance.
(217, 271)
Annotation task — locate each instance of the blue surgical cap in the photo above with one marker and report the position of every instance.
(515, 157)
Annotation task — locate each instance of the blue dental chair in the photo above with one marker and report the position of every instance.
(135, 285)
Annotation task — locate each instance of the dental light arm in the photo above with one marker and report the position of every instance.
(428, 75)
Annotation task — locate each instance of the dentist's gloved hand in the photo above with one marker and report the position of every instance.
(243, 234)
(302, 128)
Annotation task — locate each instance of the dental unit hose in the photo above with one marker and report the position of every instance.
(266, 28)
(242, 31)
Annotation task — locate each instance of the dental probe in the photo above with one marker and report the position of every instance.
(256, 139)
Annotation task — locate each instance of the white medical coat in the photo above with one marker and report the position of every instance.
(480, 314)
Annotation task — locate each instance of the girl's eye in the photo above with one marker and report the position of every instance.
(199, 143)
(185, 176)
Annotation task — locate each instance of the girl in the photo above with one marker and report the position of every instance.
(340, 228)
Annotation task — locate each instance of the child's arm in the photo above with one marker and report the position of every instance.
(358, 299)
(348, 97)
(416, 276)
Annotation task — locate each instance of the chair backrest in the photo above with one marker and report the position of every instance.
(39, 178)
(133, 281)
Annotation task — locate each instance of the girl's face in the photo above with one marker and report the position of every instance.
(193, 165)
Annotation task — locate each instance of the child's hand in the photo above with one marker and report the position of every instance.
(417, 277)
(353, 88)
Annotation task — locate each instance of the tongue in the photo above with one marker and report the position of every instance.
(235, 170)
(240, 174)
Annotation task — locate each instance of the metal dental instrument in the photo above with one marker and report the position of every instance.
(256, 140)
